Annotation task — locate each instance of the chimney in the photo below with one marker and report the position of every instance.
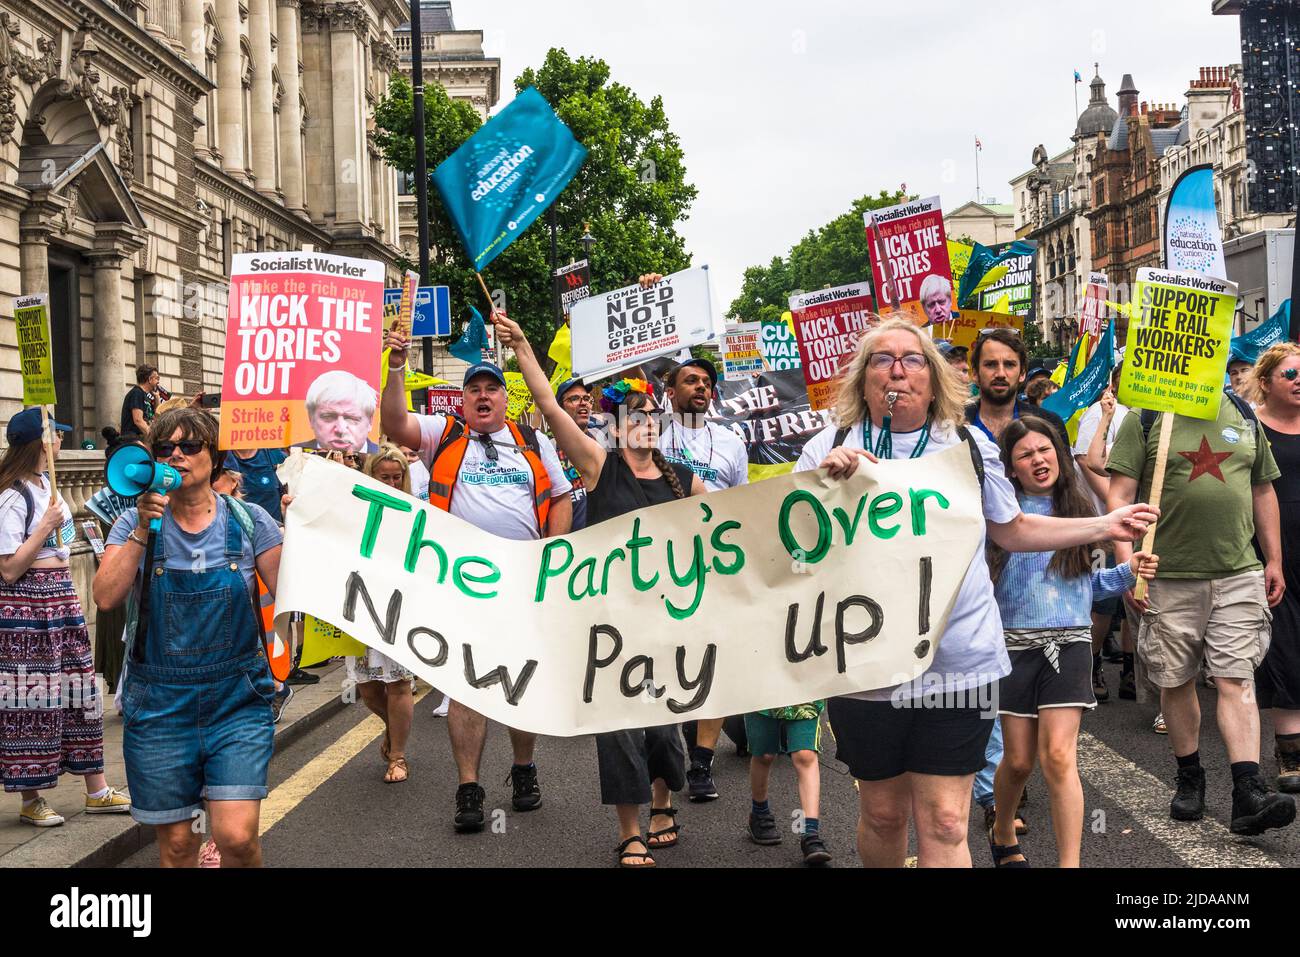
(1128, 96)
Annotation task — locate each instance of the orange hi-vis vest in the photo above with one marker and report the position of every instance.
(447, 459)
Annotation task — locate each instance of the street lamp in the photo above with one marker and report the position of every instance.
(588, 242)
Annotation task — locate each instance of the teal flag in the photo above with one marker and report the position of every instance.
(982, 259)
(469, 347)
(507, 174)
(1084, 389)
(1252, 345)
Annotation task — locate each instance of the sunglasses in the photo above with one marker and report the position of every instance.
(164, 450)
(1289, 374)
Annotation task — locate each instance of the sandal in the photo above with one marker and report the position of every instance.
(385, 746)
(1001, 852)
(397, 764)
(624, 855)
(667, 836)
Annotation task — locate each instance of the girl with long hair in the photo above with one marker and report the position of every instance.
(644, 765)
(51, 710)
(1045, 600)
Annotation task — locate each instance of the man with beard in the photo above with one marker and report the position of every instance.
(999, 361)
(719, 457)
(501, 477)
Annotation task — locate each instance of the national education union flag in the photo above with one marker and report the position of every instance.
(507, 174)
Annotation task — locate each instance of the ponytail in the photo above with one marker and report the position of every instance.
(669, 473)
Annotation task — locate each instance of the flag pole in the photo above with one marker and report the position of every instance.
(977, 170)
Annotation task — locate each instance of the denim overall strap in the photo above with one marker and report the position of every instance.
(202, 627)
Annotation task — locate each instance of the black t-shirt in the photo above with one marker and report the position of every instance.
(619, 491)
(137, 398)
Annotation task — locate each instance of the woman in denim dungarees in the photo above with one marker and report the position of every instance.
(197, 720)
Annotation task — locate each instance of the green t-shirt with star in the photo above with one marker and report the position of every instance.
(1207, 518)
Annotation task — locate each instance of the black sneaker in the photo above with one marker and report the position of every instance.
(699, 782)
(1099, 689)
(814, 850)
(280, 702)
(528, 795)
(763, 829)
(1255, 808)
(1128, 689)
(469, 808)
(1189, 803)
(300, 677)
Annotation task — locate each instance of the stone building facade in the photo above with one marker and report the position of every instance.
(142, 144)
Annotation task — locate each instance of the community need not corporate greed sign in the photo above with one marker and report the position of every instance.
(1177, 348)
(293, 317)
(767, 595)
(633, 325)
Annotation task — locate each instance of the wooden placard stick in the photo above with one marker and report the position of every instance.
(1157, 486)
(47, 437)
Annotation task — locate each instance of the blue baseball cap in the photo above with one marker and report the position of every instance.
(26, 427)
(484, 368)
(568, 384)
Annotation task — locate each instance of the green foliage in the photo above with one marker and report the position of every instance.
(632, 190)
(834, 255)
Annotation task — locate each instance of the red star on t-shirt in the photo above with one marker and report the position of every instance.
(1206, 461)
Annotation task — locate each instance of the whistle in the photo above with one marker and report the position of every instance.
(891, 398)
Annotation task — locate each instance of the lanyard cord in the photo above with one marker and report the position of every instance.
(885, 447)
(679, 448)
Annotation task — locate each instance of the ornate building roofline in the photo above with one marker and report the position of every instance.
(220, 182)
(114, 27)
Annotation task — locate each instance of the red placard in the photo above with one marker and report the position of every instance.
(828, 325)
(909, 261)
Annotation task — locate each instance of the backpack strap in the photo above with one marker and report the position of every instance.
(29, 503)
(239, 512)
(976, 456)
(526, 435)
(453, 430)
(242, 517)
(840, 437)
(1244, 408)
(1148, 420)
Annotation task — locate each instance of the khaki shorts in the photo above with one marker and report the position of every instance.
(1226, 621)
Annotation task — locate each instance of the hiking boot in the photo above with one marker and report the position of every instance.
(1128, 689)
(1288, 766)
(763, 829)
(814, 850)
(469, 808)
(699, 782)
(1255, 808)
(1099, 688)
(528, 795)
(1189, 803)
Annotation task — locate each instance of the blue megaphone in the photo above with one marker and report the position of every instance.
(131, 471)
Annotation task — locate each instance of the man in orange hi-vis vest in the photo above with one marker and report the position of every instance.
(504, 478)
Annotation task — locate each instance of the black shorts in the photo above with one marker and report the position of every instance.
(880, 740)
(1034, 684)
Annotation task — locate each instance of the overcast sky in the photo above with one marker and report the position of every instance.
(788, 111)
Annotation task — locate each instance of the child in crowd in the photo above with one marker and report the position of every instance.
(795, 731)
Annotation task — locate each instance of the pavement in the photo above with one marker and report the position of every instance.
(106, 839)
(329, 806)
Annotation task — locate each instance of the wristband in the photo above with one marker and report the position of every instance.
(131, 537)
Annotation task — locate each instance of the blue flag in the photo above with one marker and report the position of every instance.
(1084, 389)
(1193, 241)
(1252, 345)
(982, 259)
(507, 174)
(469, 347)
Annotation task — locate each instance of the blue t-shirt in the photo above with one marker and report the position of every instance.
(205, 550)
(261, 484)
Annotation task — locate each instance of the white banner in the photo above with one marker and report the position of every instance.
(780, 593)
(632, 325)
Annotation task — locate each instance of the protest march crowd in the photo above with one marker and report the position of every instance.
(1163, 520)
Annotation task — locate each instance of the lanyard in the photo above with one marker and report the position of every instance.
(885, 447)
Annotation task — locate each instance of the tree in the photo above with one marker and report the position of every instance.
(632, 189)
(834, 255)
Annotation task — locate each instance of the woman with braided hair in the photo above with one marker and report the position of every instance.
(642, 765)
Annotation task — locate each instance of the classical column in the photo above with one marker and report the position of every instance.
(291, 106)
(110, 349)
(230, 81)
(192, 33)
(260, 26)
(34, 255)
(348, 24)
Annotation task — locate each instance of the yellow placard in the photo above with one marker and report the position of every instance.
(1176, 353)
(321, 641)
(32, 322)
(520, 395)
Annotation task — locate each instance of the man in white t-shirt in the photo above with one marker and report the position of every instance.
(505, 479)
(419, 474)
(719, 457)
